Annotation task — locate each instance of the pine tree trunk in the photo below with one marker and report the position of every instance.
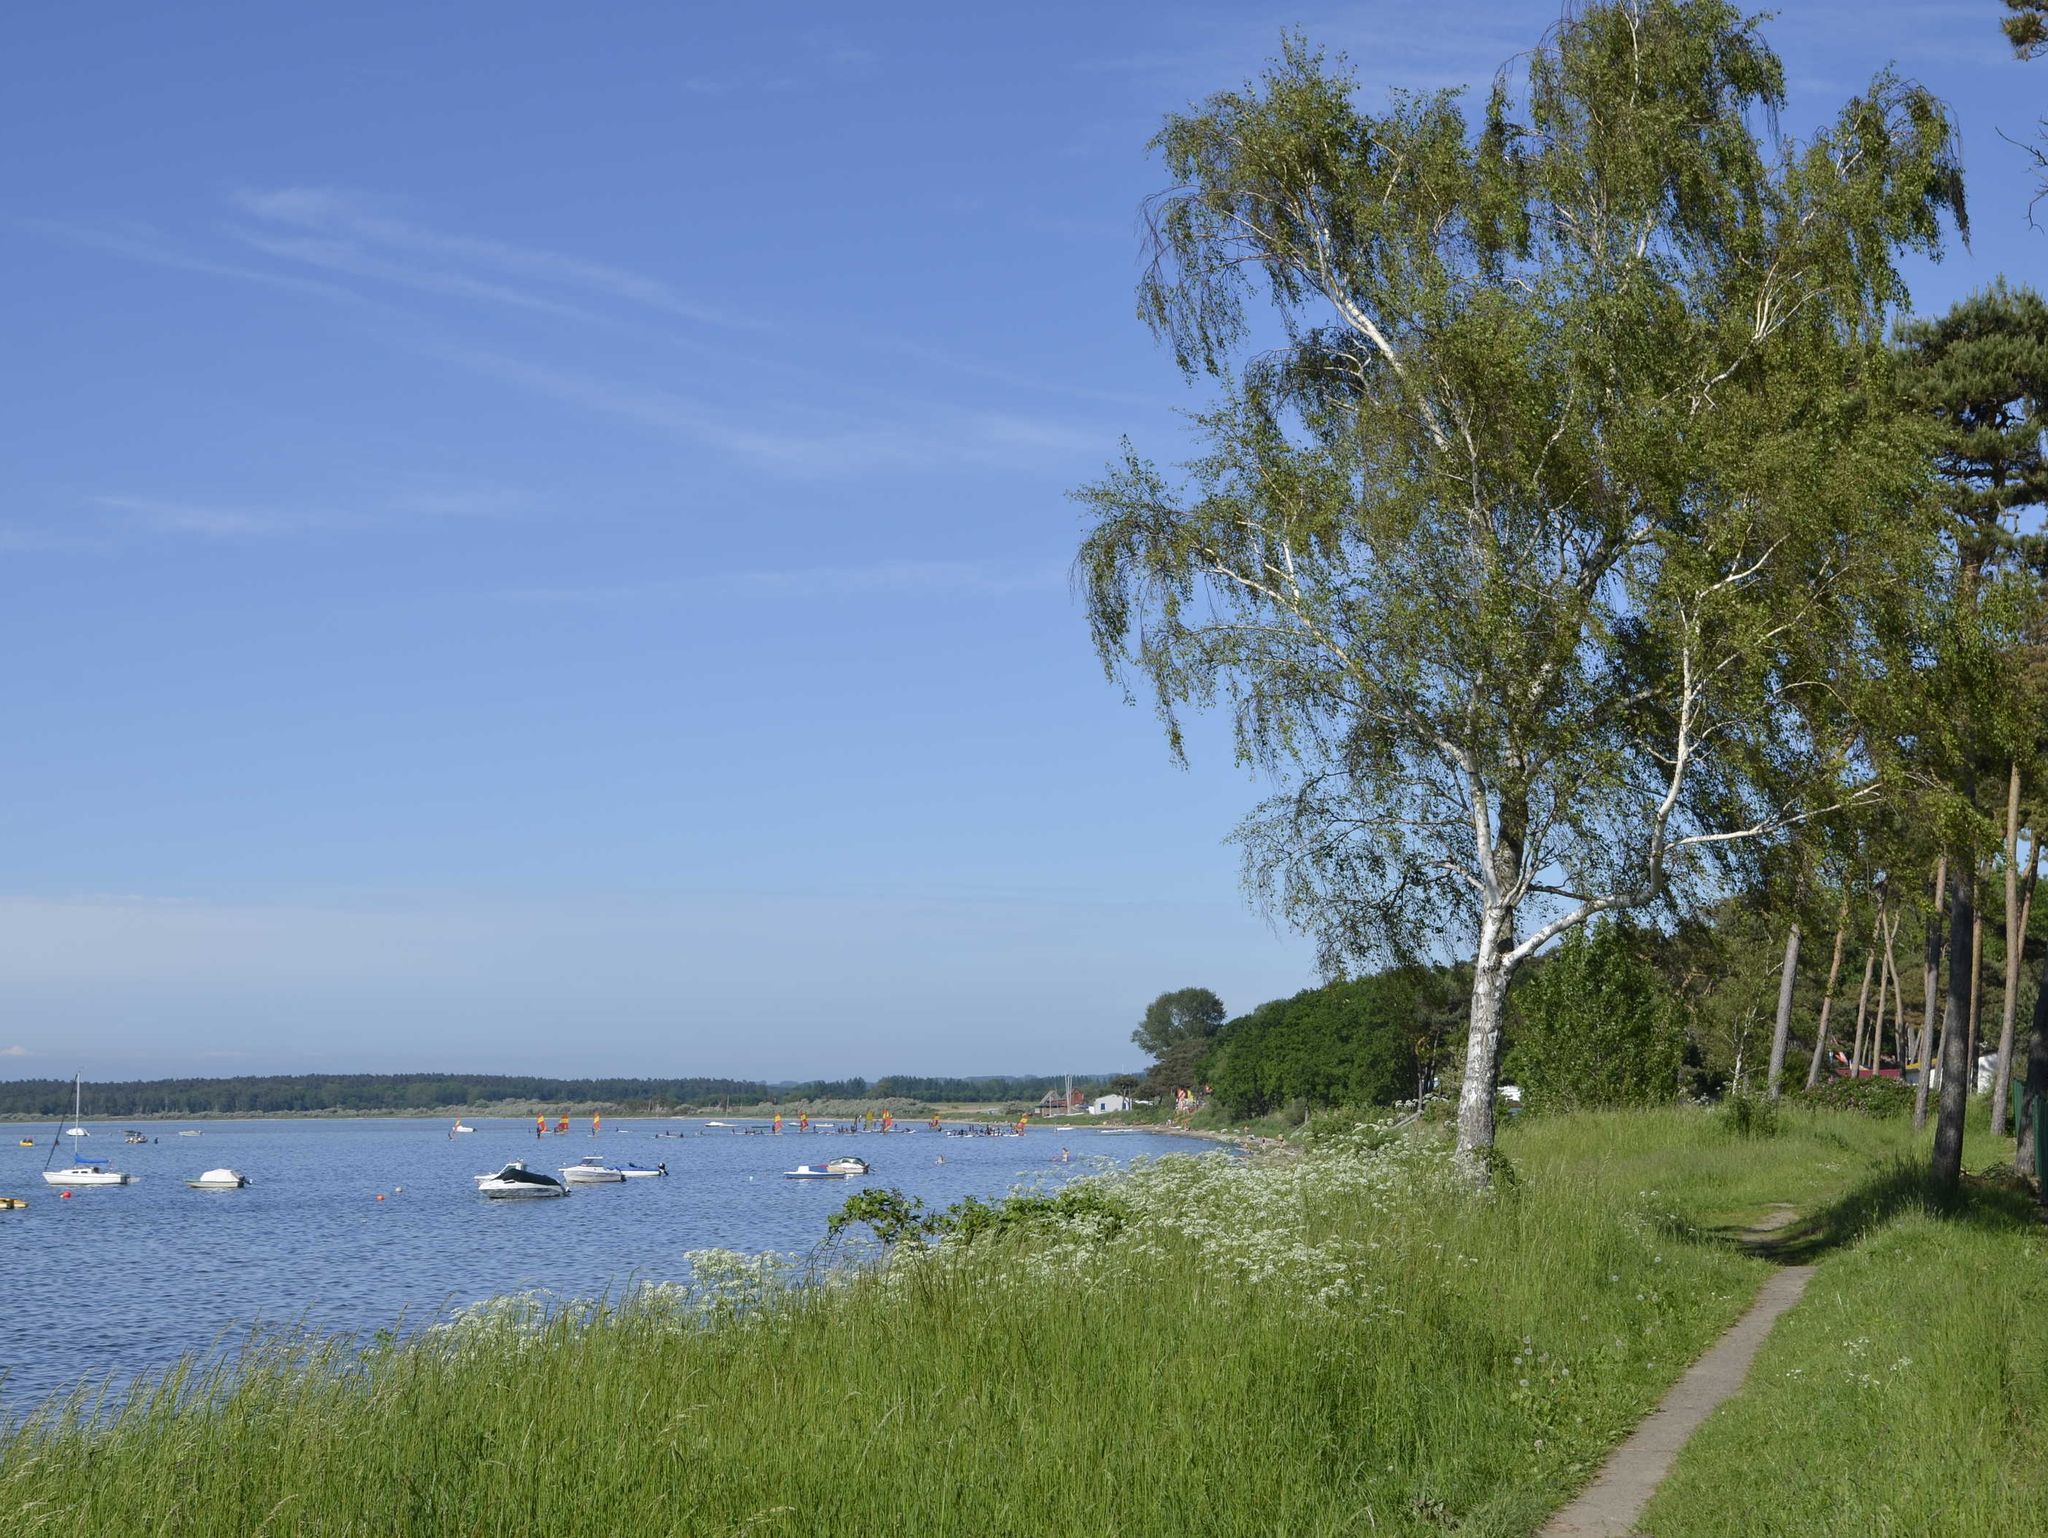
(1787, 974)
(1931, 978)
(2015, 958)
(2028, 1127)
(1947, 1166)
(1976, 993)
(1827, 1000)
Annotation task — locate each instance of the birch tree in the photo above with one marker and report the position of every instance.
(1551, 483)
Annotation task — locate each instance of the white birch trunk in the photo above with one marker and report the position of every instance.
(1482, 1048)
(1827, 1001)
(1787, 975)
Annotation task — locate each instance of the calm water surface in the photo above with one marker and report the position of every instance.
(121, 1280)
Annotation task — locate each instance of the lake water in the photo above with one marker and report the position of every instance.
(122, 1280)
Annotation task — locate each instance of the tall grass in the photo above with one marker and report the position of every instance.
(1347, 1342)
(1908, 1393)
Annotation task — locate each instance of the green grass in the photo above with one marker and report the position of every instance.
(1342, 1343)
(1907, 1393)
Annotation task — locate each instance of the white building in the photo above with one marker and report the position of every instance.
(1109, 1103)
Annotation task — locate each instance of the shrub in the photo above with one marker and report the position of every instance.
(1749, 1115)
(1597, 1029)
(1881, 1098)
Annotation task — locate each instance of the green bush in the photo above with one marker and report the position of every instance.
(1596, 1029)
(1749, 1115)
(1349, 1043)
(1882, 1098)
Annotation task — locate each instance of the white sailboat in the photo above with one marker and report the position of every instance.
(83, 1171)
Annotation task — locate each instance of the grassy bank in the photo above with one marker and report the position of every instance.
(1342, 1343)
(1908, 1393)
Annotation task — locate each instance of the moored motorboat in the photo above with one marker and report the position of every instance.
(219, 1180)
(816, 1172)
(135, 1137)
(591, 1170)
(641, 1171)
(515, 1179)
(847, 1164)
(461, 1126)
(11, 1204)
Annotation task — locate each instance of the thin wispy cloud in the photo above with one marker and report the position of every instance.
(160, 516)
(141, 243)
(16, 1051)
(819, 444)
(355, 237)
(228, 521)
(351, 260)
(889, 578)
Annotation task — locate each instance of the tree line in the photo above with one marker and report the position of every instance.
(1588, 542)
(399, 1093)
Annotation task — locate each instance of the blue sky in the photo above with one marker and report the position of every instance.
(535, 537)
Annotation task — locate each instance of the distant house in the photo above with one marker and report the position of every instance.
(1108, 1103)
(1055, 1104)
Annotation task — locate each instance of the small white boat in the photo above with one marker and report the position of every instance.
(83, 1171)
(88, 1172)
(641, 1171)
(189, 1132)
(816, 1172)
(219, 1180)
(461, 1126)
(516, 1180)
(592, 1170)
(847, 1164)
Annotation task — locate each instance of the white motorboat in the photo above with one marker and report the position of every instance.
(516, 1180)
(462, 1126)
(592, 1170)
(83, 1171)
(847, 1164)
(641, 1171)
(189, 1132)
(219, 1180)
(816, 1172)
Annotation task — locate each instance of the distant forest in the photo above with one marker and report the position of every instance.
(31, 1099)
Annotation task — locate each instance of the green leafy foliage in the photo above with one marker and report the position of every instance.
(1883, 1099)
(1184, 1015)
(1597, 1028)
(1745, 1114)
(1556, 489)
(1353, 1043)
